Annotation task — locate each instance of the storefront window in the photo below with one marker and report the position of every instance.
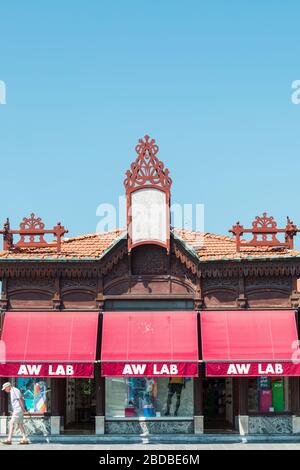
(35, 393)
(267, 395)
(149, 397)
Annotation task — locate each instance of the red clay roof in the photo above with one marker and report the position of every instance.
(85, 246)
(206, 246)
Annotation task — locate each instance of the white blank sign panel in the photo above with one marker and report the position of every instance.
(149, 216)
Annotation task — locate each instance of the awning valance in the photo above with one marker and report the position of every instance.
(49, 344)
(150, 344)
(249, 343)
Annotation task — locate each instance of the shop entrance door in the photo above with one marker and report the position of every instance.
(218, 405)
(80, 406)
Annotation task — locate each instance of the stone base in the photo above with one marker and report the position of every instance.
(199, 424)
(34, 426)
(55, 424)
(271, 424)
(296, 424)
(100, 425)
(3, 425)
(148, 427)
(243, 425)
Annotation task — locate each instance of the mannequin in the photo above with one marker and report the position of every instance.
(176, 384)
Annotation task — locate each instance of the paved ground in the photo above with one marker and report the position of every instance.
(147, 447)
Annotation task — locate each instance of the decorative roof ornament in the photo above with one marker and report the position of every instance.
(7, 236)
(30, 225)
(147, 186)
(265, 230)
(32, 234)
(147, 168)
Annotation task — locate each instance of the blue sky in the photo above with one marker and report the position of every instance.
(209, 80)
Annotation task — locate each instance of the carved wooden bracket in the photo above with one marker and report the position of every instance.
(32, 234)
(100, 293)
(198, 304)
(56, 299)
(242, 301)
(264, 230)
(295, 299)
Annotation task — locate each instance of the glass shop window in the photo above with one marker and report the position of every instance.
(36, 394)
(268, 395)
(149, 397)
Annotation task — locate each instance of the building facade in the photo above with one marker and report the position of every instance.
(152, 329)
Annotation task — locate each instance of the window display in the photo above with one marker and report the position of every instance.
(149, 397)
(267, 395)
(35, 393)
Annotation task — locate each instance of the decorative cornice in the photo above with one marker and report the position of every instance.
(251, 268)
(114, 259)
(186, 258)
(87, 269)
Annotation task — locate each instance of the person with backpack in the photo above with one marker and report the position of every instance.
(18, 410)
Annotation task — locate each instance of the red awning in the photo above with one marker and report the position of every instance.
(52, 338)
(141, 343)
(241, 337)
(248, 335)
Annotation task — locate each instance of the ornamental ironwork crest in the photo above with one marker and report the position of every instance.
(147, 169)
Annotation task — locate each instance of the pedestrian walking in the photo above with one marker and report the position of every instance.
(18, 410)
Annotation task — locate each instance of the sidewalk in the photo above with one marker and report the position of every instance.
(152, 440)
(157, 447)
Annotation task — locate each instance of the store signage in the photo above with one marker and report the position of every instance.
(54, 370)
(149, 369)
(252, 369)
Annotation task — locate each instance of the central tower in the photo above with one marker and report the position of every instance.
(147, 186)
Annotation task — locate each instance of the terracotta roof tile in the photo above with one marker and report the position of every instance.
(206, 246)
(85, 246)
